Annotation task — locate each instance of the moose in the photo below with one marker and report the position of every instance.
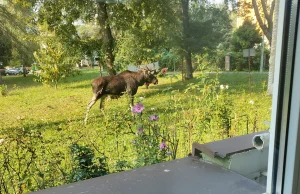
(116, 85)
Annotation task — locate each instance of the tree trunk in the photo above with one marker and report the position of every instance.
(186, 35)
(267, 29)
(24, 71)
(108, 40)
(273, 49)
(1, 80)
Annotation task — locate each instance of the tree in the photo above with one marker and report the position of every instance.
(150, 28)
(246, 36)
(265, 15)
(54, 62)
(210, 31)
(61, 17)
(186, 35)
(5, 49)
(17, 34)
(108, 40)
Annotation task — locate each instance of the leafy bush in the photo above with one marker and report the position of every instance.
(4, 90)
(54, 63)
(86, 165)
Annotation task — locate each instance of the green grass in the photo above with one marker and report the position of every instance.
(44, 106)
(57, 116)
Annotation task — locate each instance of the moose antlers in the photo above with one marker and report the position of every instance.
(149, 70)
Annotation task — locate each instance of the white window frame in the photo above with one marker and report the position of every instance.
(284, 150)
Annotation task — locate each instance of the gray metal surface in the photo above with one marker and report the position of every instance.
(183, 176)
(226, 147)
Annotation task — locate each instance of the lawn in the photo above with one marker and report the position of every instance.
(40, 124)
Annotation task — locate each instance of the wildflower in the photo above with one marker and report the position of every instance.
(169, 153)
(251, 102)
(226, 86)
(164, 70)
(162, 145)
(142, 98)
(138, 108)
(154, 118)
(222, 87)
(1, 141)
(140, 130)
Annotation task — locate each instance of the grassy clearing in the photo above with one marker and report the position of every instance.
(55, 119)
(50, 108)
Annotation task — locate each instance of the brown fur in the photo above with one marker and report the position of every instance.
(117, 85)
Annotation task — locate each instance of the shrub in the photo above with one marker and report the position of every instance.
(86, 165)
(54, 63)
(4, 90)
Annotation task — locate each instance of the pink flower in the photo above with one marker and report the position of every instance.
(138, 108)
(140, 130)
(164, 70)
(162, 145)
(154, 118)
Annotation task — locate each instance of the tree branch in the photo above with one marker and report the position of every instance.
(264, 6)
(260, 22)
(272, 8)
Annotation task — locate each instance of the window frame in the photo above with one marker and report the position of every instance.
(283, 163)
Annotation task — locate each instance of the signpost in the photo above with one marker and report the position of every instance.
(250, 52)
(227, 62)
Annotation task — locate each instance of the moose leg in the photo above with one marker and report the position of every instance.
(102, 102)
(89, 106)
(131, 101)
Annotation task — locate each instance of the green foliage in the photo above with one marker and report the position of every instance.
(17, 34)
(209, 26)
(151, 142)
(245, 37)
(54, 63)
(86, 165)
(149, 28)
(5, 49)
(19, 154)
(170, 59)
(122, 165)
(3, 90)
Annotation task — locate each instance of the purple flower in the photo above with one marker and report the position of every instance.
(169, 153)
(140, 130)
(154, 118)
(138, 108)
(162, 145)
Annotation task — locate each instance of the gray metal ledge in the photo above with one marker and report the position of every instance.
(226, 147)
(184, 176)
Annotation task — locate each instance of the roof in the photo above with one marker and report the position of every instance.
(183, 176)
(226, 147)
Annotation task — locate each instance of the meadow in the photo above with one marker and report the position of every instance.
(44, 141)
